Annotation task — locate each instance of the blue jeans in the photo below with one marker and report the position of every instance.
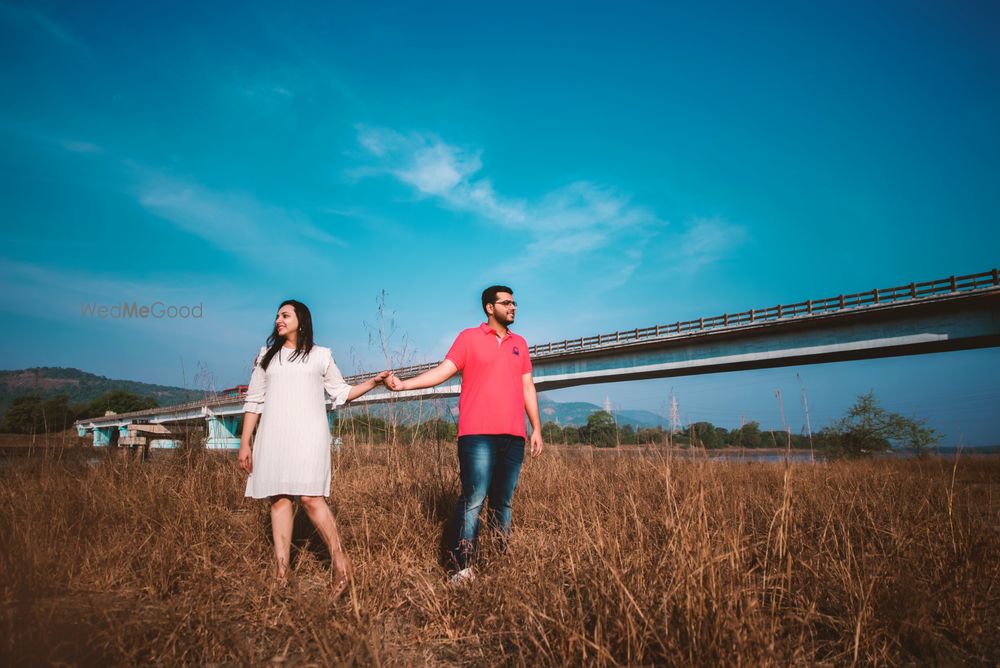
(489, 466)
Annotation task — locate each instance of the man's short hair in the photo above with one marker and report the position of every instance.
(490, 295)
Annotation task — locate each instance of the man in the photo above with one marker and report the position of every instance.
(497, 390)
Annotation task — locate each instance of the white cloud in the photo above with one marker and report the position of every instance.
(598, 229)
(704, 241)
(439, 169)
(81, 147)
(214, 217)
(35, 132)
(235, 222)
(32, 18)
(580, 217)
(261, 91)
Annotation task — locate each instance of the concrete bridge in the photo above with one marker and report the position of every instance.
(954, 313)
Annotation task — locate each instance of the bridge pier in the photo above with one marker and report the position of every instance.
(223, 432)
(106, 436)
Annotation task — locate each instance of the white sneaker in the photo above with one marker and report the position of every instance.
(463, 576)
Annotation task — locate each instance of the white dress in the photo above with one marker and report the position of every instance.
(291, 452)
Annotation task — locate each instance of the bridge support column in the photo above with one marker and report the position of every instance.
(102, 435)
(223, 432)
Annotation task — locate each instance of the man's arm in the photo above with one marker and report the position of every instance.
(435, 376)
(531, 408)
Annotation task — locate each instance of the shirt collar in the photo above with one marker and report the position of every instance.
(486, 329)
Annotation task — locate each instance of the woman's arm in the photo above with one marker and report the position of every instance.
(340, 391)
(252, 407)
(367, 386)
(245, 457)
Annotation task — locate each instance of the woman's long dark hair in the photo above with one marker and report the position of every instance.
(304, 341)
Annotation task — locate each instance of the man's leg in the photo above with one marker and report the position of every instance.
(475, 466)
(506, 471)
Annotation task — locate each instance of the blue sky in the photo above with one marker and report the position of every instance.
(619, 167)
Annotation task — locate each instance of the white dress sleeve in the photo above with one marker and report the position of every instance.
(334, 383)
(254, 401)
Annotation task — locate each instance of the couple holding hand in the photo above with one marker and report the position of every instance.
(290, 456)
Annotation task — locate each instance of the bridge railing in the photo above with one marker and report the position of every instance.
(845, 302)
(207, 402)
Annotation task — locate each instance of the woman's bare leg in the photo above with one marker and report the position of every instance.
(282, 517)
(322, 518)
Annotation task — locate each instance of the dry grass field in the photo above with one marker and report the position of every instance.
(635, 560)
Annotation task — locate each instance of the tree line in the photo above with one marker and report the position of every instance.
(867, 428)
(602, 431)
(33, 414)
(363, 427)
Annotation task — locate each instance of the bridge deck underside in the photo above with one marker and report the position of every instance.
(865, 336)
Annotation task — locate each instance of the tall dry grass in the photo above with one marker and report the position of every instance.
(613, 560)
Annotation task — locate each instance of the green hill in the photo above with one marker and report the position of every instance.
(80, 386)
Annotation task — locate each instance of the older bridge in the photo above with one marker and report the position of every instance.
(954, 313)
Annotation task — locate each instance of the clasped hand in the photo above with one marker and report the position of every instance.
(394, 383)
(382, 377)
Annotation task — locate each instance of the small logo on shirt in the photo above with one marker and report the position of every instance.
(516, 351)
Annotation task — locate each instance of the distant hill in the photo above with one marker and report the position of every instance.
(575, 414)
(80, 386)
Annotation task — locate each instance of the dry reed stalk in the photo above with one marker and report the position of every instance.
(614, 560)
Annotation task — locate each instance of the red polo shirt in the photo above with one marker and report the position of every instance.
(492, 398)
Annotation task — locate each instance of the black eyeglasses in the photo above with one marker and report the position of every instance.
(507, 302)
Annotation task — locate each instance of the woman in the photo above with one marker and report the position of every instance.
(291, 453)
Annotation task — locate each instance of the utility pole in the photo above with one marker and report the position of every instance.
(675, 418)
(784, 424)
(805, 409)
